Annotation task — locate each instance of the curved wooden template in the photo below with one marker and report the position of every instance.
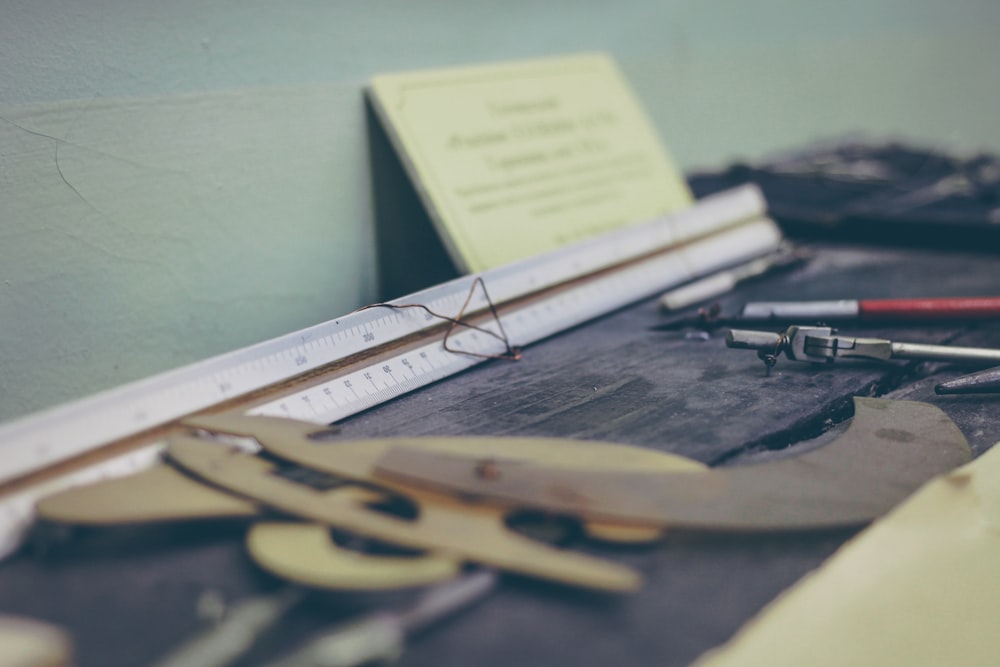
(621, 533)
(161, 493)
(306, 554)
(445, 525)
(29, 643)
(890, 449)
(357, 459)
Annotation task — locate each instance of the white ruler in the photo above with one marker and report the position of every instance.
(597, 276)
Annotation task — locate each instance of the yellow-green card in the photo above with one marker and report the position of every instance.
(515, 159)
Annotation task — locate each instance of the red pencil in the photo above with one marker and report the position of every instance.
(951, 308)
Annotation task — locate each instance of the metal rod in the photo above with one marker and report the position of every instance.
(945, 353)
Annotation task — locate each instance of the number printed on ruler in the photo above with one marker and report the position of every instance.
(358, 390)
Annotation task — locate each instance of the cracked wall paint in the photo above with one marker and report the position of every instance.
(140, 235)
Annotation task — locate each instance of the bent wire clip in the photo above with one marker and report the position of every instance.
(824, 345)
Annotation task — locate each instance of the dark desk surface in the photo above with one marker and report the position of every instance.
(129, 595)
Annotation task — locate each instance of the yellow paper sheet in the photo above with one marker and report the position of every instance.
(516, 159)
(919, 587)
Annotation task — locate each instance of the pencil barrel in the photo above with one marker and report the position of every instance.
(931, 309)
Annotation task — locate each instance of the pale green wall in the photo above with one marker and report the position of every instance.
(181, 178)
